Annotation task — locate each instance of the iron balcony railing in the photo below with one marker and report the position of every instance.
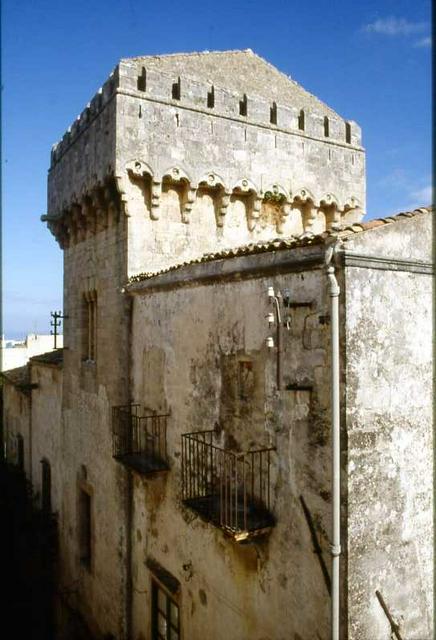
(139, 441)
(230, 489)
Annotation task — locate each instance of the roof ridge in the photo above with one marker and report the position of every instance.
(250, 52)
(287, 242)
(191, 53)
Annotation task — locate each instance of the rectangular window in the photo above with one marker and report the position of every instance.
(90, 325)
(85, 528)
(165, 615)
(20, 452)
(46, 486)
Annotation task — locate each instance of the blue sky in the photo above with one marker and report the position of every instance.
(370, 61)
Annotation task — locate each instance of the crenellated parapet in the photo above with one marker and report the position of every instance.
(132, 78)
(92, 110)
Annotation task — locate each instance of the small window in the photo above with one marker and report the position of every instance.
(176, 90)
(45, 486)
(20, 452)
(273, 113)
(301, 120)
(85, 528)
(326, 127)
(211, 97)
(347, 132)
(142, 80)
(164, 615)
(243, 106)
(90, 326)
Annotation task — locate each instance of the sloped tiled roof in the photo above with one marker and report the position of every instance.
(55, 357)
(291, 242)
(18, 377)
(242, 71)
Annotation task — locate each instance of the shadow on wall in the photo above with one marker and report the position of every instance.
(28, 544)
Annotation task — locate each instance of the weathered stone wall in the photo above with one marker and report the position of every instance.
(86, 154)
(215, 169)
(47, 429)
(16, 421)
(187, 345)
(91, 388)
(390, 436)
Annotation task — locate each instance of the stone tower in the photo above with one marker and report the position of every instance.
(205, 151)
(174, 157)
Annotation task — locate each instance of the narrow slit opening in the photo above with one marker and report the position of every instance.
(176, 90)
(273, 113)
(243, 110)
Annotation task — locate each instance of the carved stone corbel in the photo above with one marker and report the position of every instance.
(305, 201)
(279, 197)
(285, 210)
(79, 223)
(352, 211)
(189, 203)
(331, 207)
(140, 171)
(310, 215)
(111, 200)
(224, 205)
(253, 201)
(221, 196)
(178, 176)
(100, 206)
(255, 212)
(63, 236)
(59, 231)
(88, 211)
(113, 213)
(156, 192)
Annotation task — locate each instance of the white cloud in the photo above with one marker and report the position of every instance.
(424, 42)
(395, 27)
(422, 196)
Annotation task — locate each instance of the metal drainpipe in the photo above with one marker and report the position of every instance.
(279, 343)
(334, 292)
(130, 492)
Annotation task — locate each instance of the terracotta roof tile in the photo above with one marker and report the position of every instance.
(291, 242)
(19, 377)
(55, 357)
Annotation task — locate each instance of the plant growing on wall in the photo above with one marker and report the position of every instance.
(275, 198)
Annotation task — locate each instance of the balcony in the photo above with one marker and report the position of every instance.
(229, 489)
(139, 442)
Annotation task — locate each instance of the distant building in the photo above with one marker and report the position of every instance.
(16, 353)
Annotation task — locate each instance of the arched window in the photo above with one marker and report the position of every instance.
(301, 120)
(326, 127)
(347, 132)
